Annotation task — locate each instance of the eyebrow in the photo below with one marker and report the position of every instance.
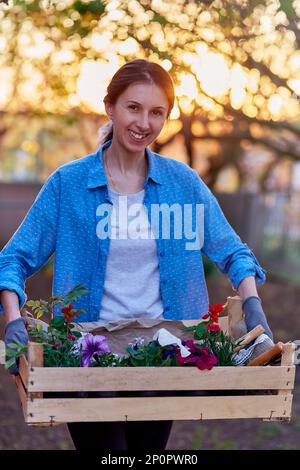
(155, 107)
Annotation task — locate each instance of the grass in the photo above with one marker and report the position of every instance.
(213, 434)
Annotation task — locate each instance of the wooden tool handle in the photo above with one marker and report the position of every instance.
(267, 356)
(250, 336)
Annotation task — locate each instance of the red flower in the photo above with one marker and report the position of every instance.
(56, 346)
(218, 308)
(213, 327)
(68, 314)
(214, 312)
(67, 310)
(205, 316)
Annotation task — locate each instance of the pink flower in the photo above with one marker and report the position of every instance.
(200, 357)
(71, 337)
(206, 360)
(56, 346)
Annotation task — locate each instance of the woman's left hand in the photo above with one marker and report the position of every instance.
(254, 315)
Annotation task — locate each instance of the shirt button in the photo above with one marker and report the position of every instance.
(164, 282)
(161, 254)
(167, 309)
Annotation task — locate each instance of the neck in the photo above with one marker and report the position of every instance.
(125, 162)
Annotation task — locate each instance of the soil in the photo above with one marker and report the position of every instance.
(282, 305)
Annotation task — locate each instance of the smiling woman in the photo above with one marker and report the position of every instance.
(143, 272)
(138, 109)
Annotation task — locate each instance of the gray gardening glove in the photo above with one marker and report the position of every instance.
(15, 332)
(254, 315)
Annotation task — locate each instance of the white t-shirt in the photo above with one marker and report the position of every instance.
(131, 286)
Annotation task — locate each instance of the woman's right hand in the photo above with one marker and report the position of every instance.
(15, 332)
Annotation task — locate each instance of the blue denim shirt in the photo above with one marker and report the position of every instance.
(63, 221)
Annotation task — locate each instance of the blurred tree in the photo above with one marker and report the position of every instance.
(235, 65)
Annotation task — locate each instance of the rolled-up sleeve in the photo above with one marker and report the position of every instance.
(33, 242)
(221, 243)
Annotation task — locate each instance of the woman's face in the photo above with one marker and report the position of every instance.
(138, 115)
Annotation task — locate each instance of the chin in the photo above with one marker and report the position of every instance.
(132, 146)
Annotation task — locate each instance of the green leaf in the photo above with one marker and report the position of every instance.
(13, 345)
(10, 363)
(96, 7)
(159, 19)
(287, 7)
(200, 330)
(77, 334)
(57, 323)
(10, 352)
(189, 328)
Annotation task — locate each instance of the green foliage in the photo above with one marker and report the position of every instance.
(56, 339)
(287, 7)
(109, 360)
(62, 356)
(42, 307)
(13, 351)
(221, 345)
(74, 294)
(159, 19)
(151, 355)
(29, 8)
(96, 7)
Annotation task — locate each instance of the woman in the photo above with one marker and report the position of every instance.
(132, 266)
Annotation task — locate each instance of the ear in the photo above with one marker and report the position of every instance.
(109, 109)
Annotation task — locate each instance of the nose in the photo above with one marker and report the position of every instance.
(143, 122)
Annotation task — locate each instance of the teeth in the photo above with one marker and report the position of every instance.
(137, 136)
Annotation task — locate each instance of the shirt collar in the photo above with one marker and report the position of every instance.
(97, 176)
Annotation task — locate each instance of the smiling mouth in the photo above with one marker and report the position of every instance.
(137, 135)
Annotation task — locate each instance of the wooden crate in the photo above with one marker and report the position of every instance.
(223, 392)
(221, 384)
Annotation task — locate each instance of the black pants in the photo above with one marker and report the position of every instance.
(131, 435)
(120, 435)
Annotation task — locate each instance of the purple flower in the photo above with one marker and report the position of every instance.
(92, 345)
(169, 353)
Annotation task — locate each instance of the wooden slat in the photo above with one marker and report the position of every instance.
(23, 370)
(288, 354)
(35, 359)
(22, 395)
(157, 408)
(35, 354)
(159, 378)
(287, 360)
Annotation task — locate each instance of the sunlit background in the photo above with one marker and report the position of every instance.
(236, 69)
(236, 120)
(235, 66)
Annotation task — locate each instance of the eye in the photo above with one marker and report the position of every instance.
(156, 112)
(133, 107)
